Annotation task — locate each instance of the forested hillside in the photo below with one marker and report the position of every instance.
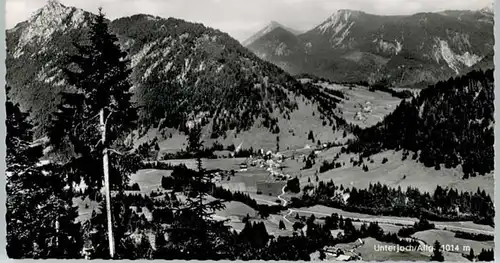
(450, 123)
(184, 69)
(182, 72)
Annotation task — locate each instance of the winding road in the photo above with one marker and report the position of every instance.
(284, 203)
(391, 221)
(385, 221)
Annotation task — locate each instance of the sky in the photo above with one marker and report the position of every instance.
(242, 18)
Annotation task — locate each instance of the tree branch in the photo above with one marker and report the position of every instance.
(97, 144)
(115, 151)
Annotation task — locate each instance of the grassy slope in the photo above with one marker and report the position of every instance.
(210, 164)
(381, 104)
(293, 133)
(388, 228)
(359, 97)
(392, 173)
(148, 179)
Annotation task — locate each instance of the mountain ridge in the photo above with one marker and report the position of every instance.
(183, 73)
(398, 50)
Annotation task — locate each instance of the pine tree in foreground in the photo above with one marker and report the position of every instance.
(94, 116)
(40, 215)
(194, 233)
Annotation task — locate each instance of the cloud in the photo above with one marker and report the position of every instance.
(241, 18)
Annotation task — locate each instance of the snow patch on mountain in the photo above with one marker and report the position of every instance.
(468, 59)
(308, 47)
(389, 47)
(338, 40)
(456, 61)
(282, 50)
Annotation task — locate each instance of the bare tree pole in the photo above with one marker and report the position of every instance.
(105, 161)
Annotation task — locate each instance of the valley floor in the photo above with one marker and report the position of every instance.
(361, 107)
(390, 173)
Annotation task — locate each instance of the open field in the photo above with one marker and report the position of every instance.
(263, 199)
(148, 179)
(243, 181)
(246, 181)
(363, 107)
(392, 173)
(293, 132)
(210, 164)
(320, 210)
(388, 228)
(272, 226)
(348, 176)
(236, 211)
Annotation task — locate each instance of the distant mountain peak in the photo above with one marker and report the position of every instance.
(53, 8)
(54, 4)
(353, 46)
(274, 23)
(267, 29)
(52, 17)
(339, 21)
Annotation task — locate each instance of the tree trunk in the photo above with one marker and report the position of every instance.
(105, 161)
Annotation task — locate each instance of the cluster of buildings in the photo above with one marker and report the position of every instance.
(333, 253)
(272, 162)
(367, 109)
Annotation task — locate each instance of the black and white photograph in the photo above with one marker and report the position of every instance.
(285, 130)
